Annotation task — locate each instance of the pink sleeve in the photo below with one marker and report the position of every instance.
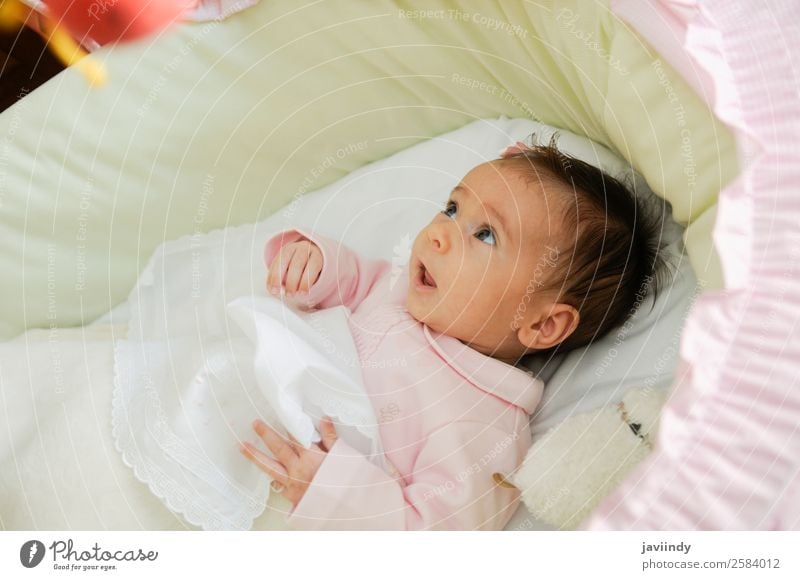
(346, 278)
(450, 487)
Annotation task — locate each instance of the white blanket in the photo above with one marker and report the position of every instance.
(59, 469)
(204, 356)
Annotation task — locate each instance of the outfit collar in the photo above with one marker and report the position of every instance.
(514, 385)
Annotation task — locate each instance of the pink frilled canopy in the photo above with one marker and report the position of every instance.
(728, 452)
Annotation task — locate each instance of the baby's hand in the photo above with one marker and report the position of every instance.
(294, 466)
(296, 268)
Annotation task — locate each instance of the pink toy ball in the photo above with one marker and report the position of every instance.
(106, 21)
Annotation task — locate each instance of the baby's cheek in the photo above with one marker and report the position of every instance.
(459, 305)
(504, 303)
(495, 293)
(479, 302)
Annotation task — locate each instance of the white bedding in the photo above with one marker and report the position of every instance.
(59, 468)
(207, 352)
(58, 465)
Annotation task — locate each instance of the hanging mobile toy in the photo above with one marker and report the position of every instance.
(100, 21)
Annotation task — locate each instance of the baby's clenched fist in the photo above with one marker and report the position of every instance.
(295, 268)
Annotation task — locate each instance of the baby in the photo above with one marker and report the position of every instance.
(535, 252)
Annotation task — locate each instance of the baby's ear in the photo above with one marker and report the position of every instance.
(549, 327)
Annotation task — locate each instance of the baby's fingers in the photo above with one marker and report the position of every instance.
(298, 264)
(328, 433)
(265, 463)
(311, 272)
(280, 265)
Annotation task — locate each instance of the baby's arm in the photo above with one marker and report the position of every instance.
(344, 277)
(450, 487)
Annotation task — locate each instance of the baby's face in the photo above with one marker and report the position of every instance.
(472, 266)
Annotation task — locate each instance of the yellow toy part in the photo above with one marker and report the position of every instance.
(13, 14)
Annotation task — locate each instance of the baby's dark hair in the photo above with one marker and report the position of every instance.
(614, 254)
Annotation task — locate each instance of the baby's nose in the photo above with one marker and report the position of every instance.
(439, 238)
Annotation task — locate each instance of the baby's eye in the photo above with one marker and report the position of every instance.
(485, 234)
(450, 205)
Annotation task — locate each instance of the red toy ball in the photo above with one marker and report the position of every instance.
(107, 21)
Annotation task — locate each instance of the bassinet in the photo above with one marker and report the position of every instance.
(217, 124)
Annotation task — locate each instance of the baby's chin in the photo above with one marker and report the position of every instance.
(413, 309)
(428, 318)
(421, 313)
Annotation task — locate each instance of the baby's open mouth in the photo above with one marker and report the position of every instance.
(425, 276)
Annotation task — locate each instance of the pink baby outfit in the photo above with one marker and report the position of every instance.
(450, 417)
